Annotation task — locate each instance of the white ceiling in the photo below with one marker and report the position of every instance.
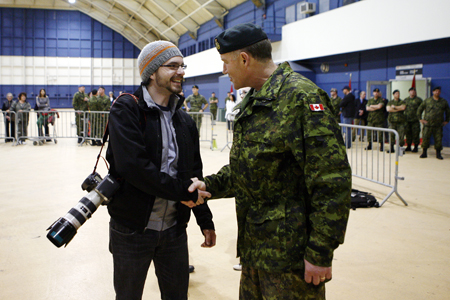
(142, 21)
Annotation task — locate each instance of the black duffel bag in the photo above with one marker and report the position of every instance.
(363, 199)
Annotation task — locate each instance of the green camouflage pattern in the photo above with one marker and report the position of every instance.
(412, 132)
(289, 174)
(434, 111)
(400, 128)
(78, 102)
(398, 116)
(212, 105)
(278, 285)
(377, 116)
(370, 132)
(99, 103)
(196, 102)
(412, 104)
(98, 120)
(335, 107)
(436, 132)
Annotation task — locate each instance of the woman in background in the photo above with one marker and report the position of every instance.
(22, 108)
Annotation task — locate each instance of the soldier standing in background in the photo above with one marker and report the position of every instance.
(433, 121)
(197, 102)
(360, 115)
(213, 105)
(105, 105)
(375, 118)
(412, 125)
(397, 119)
(348, 113)
(288, 171)
(335, 102)
(80, 103)
(227, 97)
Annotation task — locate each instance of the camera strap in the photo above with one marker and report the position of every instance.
(106, 134)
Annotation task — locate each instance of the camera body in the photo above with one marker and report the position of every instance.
(99, 191)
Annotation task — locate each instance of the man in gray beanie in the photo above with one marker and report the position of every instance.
(151, 141)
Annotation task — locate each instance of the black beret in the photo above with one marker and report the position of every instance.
(376, 90)
(395, 92)
(346, 88)
(238, 37)
(437, 88)
(411, 89)
(195, 86)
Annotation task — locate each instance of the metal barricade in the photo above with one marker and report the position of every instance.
(229, 129)
(204, 122)
(94, 126)
(378, 164)
(8, 127)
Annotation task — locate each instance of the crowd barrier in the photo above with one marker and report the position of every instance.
(380, 167)
(205, 126)
(8, 126)
(229, 131)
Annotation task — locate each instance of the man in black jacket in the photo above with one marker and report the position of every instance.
(154, 152)
(348, 113)
(360, 114)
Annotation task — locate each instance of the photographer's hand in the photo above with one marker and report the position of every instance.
(201, 188)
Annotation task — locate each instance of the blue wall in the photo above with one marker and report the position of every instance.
(38, 32)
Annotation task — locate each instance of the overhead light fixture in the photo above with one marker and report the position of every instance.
(72, 1)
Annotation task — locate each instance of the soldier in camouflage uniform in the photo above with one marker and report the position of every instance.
(80, 104)
(335, 101)
(412, 125)
(288, 171)
(397, 119)
(375, 108)
(213, 100)
(433, 121)
(197, 102)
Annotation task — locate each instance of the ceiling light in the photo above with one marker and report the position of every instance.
(72, 1)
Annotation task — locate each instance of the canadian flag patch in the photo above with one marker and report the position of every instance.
(316, 107)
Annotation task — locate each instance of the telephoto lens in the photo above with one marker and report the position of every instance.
(64, 229)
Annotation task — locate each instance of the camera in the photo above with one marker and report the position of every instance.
(62, 231)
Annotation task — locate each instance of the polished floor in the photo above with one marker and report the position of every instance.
(392, 252)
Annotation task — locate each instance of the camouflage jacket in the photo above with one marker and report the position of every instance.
(196, 102)
(99, 103)
(105, 102)
(412, 104)
(377, 116)
(78, 102)
(212, 105)
(289, 174)
(398, 116)
(335, 106)
(434, 111)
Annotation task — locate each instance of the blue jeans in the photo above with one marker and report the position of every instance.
(348, 132)
(134, 251)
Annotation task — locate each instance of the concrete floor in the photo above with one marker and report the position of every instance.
(393, 252)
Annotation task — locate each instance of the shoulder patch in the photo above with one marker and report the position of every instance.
(316, 107)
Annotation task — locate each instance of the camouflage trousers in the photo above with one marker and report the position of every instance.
(79, 119)
(198, 120)
(277, 285)
(412, 132)
(379, 136)
(214, 113)
(437, 132)
(400, 128)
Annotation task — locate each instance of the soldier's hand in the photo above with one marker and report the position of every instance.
(189, 204)
(200, 186)
(315, 274)
(210, 238)
(444, 123)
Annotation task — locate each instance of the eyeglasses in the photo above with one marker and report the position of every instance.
(175, 67)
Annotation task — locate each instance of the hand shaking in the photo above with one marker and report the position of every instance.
(202, 193)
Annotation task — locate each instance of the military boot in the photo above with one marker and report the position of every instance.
(416, 149)
(408, 148)
(369, 146)
(438, 154)
(424, 153)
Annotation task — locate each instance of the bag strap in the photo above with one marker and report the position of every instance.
(106, 134)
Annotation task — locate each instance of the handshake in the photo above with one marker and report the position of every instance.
(202, 193)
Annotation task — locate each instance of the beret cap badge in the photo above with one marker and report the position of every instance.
(217, 44)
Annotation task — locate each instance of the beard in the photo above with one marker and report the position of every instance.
(168, 83)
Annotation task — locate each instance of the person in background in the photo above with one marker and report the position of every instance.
(242, 93)
(111, 97)
(10, 119)
(213, 101)
(396, 118)
(80, 105)
(375, 118)
(197, 101)
(335, 102)
(437, 115)
(412, 125)
(22, 109)
(347, 107)
(43, 105)
(360, 115)
(229, 114)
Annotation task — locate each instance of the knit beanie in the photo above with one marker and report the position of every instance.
(154, 55)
